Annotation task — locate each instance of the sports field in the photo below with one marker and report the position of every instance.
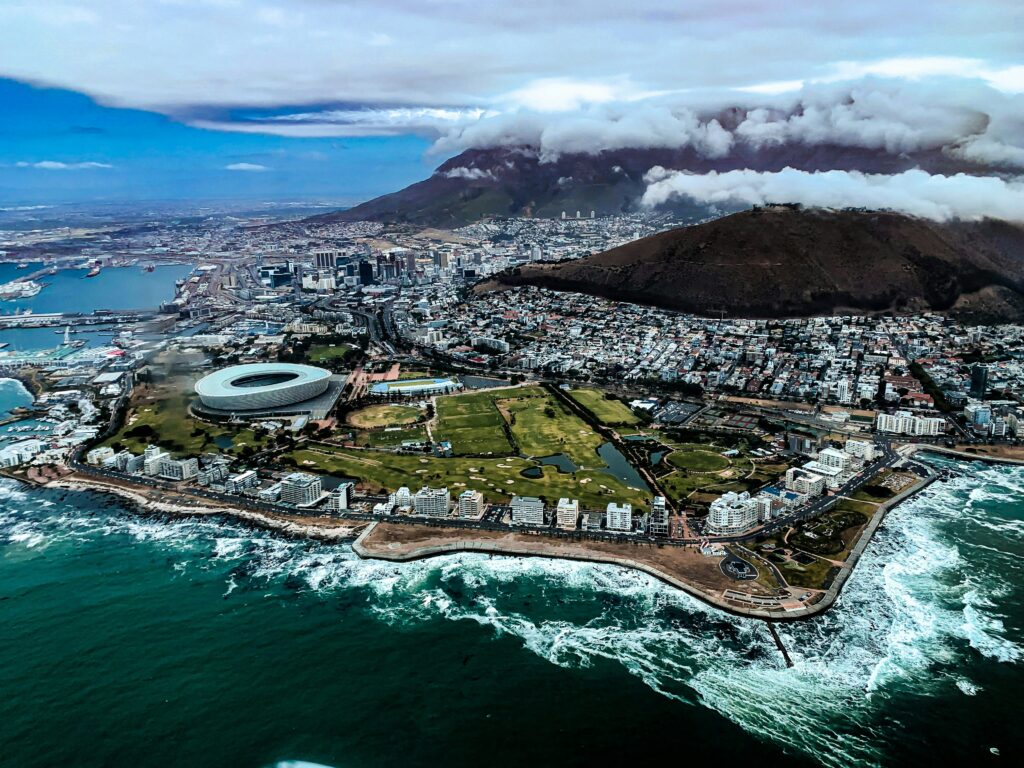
(383, 416)
(498, 478)
(472, 422)
(612, 413)
(321, 353)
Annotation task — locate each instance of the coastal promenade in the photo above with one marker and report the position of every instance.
(676, 563)
(683, 568)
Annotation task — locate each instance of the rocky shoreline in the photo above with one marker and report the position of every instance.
(141, 502)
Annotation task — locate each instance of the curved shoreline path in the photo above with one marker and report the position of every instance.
(681, 567)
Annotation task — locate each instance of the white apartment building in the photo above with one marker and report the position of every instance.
(833, 457)
(300, 489)
(906, 423)
(178, 469)
(471, 504)
(20, 452)
(527, 510)
(861, 449)
(152, 461)
(432, 502)
(403, 497)
(99, 455)
(658, 524)
(802, 481)
(242, 481)
(832, 476)
(338, 499)
(618, 517)
(732, 513)
(567, 513)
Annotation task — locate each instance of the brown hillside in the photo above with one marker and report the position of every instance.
(782, 261)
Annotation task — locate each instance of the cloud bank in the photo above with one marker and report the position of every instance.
(963, 119)
(247, 167)
(917, 193)
(56, 165)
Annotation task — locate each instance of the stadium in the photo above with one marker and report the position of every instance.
(415, 387)
(269, 388)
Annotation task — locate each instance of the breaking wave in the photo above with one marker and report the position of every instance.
(927, 593)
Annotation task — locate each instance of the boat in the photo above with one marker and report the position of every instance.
(93, 272)
(19, 289)
(22, 265)
(149, 268)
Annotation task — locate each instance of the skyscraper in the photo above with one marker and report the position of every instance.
(979, 380)
(366, 273)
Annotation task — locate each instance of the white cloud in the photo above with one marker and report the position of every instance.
(56, 165)
(963, 118)
(913, 192)
(250, 167)
(176, 54)
(468, 173)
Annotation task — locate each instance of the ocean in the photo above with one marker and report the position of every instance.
(134, 640)
(114, 288)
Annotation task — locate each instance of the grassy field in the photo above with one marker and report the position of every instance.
(812, 576)
(404, 374)
(159, 415)
(380, 438)
(321, 353)
(497, 479)
(698, 460)
(609, 412)
(702, 473)
(383, 416)
(542, 426)
(473, 423)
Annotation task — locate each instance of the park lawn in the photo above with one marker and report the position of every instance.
(385, 472)
(383, 416)
(472, 423)
(811, 576)
(698, 460)
(379, 438)
(404, 374)
(608, 412)
(321, 353)
(165, 409)
(680, 485)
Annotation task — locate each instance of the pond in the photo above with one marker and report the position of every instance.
(656, 457)
(223, 442)
(561, 461)
(620, 468)
(534, 473)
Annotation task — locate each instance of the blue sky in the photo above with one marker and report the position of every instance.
(61, 146)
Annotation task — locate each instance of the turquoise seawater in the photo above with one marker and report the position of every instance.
(13, 395)
(141, 641)
(113, 288)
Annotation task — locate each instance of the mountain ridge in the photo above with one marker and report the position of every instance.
(787, 261)
(503, 182)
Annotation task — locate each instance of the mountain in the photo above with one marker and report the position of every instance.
(785, 261)
(518, 182)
